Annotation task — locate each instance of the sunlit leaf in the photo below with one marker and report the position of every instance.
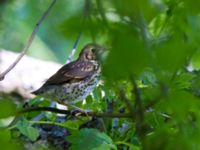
(196, 60)
(26, 129)
(88, 139)
(7, 108)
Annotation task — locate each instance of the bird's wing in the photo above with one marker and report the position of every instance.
(72, 72)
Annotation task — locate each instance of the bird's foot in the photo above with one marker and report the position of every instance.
(77, 111)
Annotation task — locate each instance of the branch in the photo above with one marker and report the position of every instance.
(85, 14)
(28, 44)
(71, 55)
(163, 92)
(139, 109)
(129, 105)
(138, 98)
(68, 112)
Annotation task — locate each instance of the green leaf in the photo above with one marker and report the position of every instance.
(104, 147)
(26, 129)
(6, 142)
(97, 94)
(179, 103)
(133, 147)
(7, 108)
(128, 55)
(196, 60)
(72, 125)
(89, 139)
(171, 55)
(183, 81)
(4, 135)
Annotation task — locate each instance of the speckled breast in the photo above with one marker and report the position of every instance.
(73, 92)
(78, 91)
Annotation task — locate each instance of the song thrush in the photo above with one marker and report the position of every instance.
(76, 80)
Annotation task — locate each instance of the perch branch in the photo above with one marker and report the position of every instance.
(68, 112)
(28, 44)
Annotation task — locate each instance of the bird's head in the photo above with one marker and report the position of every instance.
(92, 52)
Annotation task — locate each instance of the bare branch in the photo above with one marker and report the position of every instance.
(71, 55)
(85, 14)
(69, 112)
(28, 44)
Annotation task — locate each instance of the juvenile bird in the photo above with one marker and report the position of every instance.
(76, 80)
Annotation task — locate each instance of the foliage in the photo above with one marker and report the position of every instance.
(27, 130)
(152, 70)
(90, 139)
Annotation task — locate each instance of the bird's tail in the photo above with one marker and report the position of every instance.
(37, 92)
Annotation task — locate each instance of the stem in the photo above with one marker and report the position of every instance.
(127, 144)
(52, 123)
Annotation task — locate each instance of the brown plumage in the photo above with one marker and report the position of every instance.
(74, 81)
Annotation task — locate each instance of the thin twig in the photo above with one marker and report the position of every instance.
(71, 55)
(85, 14)
(48, 123)
(163, 92)
(68, 112)
(153, 102)
(28, 44)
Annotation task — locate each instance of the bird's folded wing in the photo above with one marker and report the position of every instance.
(72, 72)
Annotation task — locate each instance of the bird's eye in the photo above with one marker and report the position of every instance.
(93, 50)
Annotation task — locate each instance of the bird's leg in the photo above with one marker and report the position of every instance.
(77, 108)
